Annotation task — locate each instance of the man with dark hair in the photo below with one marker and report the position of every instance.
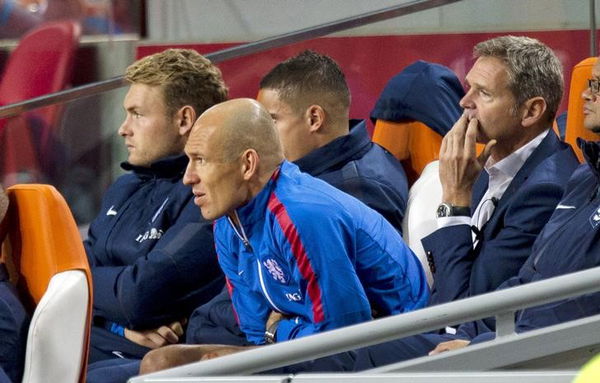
(151, 255)
(309, 101)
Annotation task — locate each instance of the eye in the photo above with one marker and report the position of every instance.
(136, 114)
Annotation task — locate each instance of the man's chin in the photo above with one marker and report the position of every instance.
(591, 125)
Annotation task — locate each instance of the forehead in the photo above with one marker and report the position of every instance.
(199, 141)
(270, 99)
(142, 94)
(488, 71)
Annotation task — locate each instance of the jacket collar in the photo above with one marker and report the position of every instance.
(255, 209)
(591, 153)
(549, 145)
(168, 167)
(337, 152)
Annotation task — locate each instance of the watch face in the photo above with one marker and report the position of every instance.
(443, 210)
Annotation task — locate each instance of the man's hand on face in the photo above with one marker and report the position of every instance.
(459, 164)
(158, 337)
(448, 346)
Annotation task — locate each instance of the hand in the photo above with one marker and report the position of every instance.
(158, 337)
(459, 164)
(450, 345)
(180, 354)
(274, 318)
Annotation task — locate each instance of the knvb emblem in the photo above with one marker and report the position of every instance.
(275, 270)
(150, 234)
(293, 297)
(595, 218)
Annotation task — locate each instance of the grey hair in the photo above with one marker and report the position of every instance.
(533, 69)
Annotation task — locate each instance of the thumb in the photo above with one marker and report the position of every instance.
(486, 153)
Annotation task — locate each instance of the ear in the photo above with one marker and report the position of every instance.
(315, 116)
(533, 111)
(185, 118)
(249, 166)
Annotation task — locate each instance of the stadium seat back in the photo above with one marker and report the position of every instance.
(54, 280)
(582, 72)
(411, 142)
(420, 219)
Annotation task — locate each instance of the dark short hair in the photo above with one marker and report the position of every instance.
(308, 78)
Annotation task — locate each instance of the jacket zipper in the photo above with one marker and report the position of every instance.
(241, 234)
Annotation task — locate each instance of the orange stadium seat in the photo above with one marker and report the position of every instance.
(411, 142)
(582, 72)
(48, 262)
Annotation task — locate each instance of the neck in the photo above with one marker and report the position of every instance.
(504, 149)
(258, 183)
(331, 133)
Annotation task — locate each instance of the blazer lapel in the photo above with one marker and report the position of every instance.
(479, 189)
(549, 145)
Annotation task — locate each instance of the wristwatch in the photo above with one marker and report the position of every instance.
(447, 210)
(271, 333)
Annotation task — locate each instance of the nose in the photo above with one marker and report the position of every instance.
(467, 101)
(587, 94)
(190, 177)
(124, 129)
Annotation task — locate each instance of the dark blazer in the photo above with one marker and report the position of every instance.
(507, 238)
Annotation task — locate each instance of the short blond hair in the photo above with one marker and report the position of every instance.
(186, 77)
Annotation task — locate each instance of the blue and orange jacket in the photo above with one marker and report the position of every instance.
(317, 255)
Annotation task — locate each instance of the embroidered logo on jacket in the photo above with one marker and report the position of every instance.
(153, 233)
(293, 297)
(111, 211)
(275, 270)
(595, 218)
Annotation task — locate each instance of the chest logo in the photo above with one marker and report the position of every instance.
(595, 218)
(293, 297)
(275, 270)
(153, 233)
(111, 211)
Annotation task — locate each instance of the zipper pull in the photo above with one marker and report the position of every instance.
(247, 245)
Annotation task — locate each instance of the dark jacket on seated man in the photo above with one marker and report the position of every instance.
(142, 248)
(351, 163)
(505, 241)
(14, 324)
(570, 242)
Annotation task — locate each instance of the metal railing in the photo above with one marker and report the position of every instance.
(503, 304)
(234, 52)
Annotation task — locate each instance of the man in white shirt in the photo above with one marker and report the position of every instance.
(495, 204)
